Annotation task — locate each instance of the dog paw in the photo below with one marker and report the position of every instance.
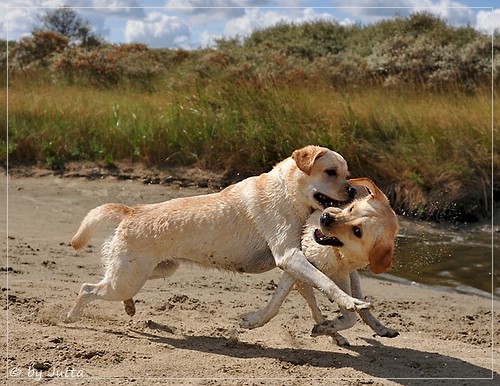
(353, 304)
(327, 327)
(129, 305)
(377, 326)
(251, 320)
(339, 340)
(388, 333)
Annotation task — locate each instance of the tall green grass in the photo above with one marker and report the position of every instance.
(431, 152)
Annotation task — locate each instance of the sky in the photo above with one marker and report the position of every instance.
(192, 24)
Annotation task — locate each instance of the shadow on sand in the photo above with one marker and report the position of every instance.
(405, 366)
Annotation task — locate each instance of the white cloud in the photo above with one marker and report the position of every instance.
(22, 16)
(258, 19)
(243, 25)
(18, 22)
(116, 8)
(487, 21)
(208, 39)
(206, 13)
(159, 31)
(453, 12)
(102, 11)
(220, 8)
(371, 11)
(20, 19)
(347, 22)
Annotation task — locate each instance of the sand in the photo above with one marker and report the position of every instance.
(186, 331)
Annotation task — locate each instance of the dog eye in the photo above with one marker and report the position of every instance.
(357, 231)
(331, 172)
(351, 208)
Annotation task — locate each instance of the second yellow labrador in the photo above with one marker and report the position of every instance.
(339, 241)
(252, 226)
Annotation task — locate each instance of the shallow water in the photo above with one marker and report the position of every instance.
(454, 257)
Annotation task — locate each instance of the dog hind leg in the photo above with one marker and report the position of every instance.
(261, 317)
(164, 268)
(307, 293)
(125, 276)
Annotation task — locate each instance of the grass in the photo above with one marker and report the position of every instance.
(431, 152)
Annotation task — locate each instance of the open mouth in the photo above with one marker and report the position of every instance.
(327, 202)
(323, 239)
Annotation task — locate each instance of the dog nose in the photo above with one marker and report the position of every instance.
(351, 192)
(326, 219)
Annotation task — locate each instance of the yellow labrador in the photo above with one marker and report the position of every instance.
(338, 242)
(252, 226)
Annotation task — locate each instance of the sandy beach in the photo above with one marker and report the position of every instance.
(186, 331)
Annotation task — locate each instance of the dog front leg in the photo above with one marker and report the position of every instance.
(307, 293)
(366, 315)
(346, 320)
(261, 317)
(295, 263)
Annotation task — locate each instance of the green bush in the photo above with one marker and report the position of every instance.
(37, 49)
(106, 65)
(419, 49)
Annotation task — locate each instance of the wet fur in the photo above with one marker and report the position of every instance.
(379, 225)
(252, 226)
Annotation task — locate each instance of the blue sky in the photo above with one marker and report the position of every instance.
(191, 24)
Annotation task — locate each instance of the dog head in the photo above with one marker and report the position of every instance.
(324, 177)
(364, 230)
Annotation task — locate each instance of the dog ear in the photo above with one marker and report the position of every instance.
(374, 190)
(305, 157)
(381, 256)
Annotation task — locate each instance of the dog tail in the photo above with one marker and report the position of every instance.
(108, 212)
